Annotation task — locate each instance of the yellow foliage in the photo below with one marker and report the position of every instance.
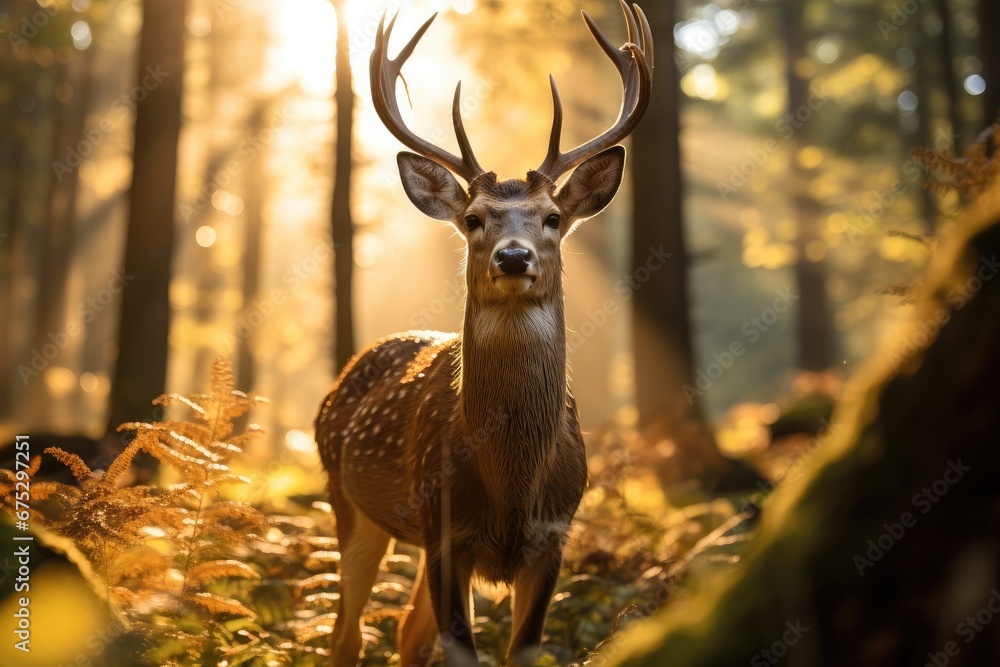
(217, 604)
(974, 174)
(218, 569)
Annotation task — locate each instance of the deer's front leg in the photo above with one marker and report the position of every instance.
(533, 589)
(449, 581)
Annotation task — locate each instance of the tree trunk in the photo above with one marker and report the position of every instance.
(342, 226)
(989, 54)
(253, 214)
(662, 338)
(949, 77)
(814, 323)
(12, 150)
(140, 373)
(60, 224)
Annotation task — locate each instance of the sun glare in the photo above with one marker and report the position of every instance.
(303, 37)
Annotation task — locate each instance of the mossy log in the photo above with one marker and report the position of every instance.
(886, 551)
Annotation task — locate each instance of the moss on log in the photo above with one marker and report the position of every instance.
(887, 550)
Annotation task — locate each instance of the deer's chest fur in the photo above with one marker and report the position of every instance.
(527, 477)
(475, 439)
(500, 512)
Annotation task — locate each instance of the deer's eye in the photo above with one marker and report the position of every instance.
(553, 221)
(473, 222)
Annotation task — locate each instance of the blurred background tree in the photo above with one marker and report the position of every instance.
(342, 224)
(141, 365)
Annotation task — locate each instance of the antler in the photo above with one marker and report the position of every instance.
(634, 62)
(384, 73)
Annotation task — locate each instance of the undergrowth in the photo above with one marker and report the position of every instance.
(198, 578)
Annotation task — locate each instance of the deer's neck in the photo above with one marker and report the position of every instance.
(513, 390)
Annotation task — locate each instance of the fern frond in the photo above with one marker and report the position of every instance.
(123, 461)
(200, 540)
(174, 399)
(896, 233)
(44, 490)
(318, 581)
(218, 604)
(241, 513)
(140, 564)
(222, 381)
(974, 173)
(75, 464)
(313, 628)
(123, 596)
(213, 570)
(907, 293)
(226, 479)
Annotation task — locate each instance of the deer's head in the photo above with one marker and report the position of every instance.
(514, 228)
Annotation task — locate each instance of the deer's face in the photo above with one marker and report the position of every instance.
(514, 229)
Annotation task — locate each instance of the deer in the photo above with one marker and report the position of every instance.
(468, 445)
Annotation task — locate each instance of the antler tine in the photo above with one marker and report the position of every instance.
(555, 135)
(647, 34)
(468, 157)
(634, 64)
(383, 72)
(633, 28)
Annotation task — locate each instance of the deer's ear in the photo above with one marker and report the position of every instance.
(431, 187)
(593, 185)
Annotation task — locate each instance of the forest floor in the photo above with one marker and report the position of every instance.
(227, 560)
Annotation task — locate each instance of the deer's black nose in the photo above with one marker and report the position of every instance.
(513, 261)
